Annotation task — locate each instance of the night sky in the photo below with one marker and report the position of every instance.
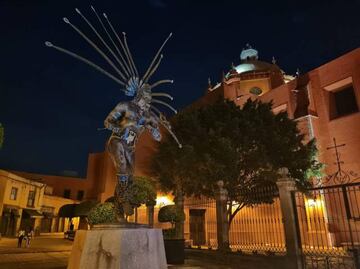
(51, 105)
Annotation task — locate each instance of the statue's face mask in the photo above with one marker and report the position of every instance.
(144, 98)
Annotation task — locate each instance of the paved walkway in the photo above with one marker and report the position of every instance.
(58, 260)
(47, 243)
(52, 252)
(45, 260)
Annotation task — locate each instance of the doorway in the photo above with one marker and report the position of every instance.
(197, 226)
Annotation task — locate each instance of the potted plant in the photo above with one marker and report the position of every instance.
(174, 246)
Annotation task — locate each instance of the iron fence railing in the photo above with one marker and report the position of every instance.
(329, 225)
(254, 229)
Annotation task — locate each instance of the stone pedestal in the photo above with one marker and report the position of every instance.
(118, 248)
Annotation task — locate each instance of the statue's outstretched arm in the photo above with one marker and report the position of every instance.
(162, 120)
(153, 126)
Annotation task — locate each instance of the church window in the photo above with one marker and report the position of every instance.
(256, 91)
(345, 101)
(342, 99)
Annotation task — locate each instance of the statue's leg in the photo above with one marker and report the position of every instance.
(117, 153)
(130, 162)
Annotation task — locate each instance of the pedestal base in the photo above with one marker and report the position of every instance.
(118, 248)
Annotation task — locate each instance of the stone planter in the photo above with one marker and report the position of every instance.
(111, 247)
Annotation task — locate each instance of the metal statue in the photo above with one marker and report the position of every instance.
(128, 119)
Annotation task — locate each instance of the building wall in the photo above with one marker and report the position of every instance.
(2, 194)
(23, 186)
(55, 203)
(344, 129)
(100, 181)
(60, 183)
(306, 99)
(12, 215)
(75, 184)
(46, 206)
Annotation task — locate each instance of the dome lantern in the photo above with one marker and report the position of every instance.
(249, 53)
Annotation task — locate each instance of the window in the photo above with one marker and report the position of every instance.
(13, 193)
(80, 195)
(67, 193)
(341, 98)
(345, 101)
(256, 90)
(31, 199)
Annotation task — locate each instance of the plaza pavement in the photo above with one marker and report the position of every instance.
(52, 252)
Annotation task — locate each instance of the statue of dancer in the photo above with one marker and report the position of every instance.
(128, 119)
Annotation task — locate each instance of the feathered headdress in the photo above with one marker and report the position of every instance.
(122, 61)
(119, 57)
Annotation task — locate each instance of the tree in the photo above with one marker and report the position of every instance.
(172, 166)
(1, 135)
(243, 147)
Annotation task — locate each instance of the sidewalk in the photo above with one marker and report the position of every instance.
(44, 260)
(43, 243)
(58, 260)
(52, 252)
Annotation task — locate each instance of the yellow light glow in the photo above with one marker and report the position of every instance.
(163, 201)
(314, 203)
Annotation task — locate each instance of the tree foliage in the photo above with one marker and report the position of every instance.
(243, 147)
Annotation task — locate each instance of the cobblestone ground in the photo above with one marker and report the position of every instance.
(52, 252)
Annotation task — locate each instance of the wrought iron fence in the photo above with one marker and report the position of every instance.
(254, 229)
(329, 226)
(258, 228)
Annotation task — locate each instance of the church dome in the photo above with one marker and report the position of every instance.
(250, 63)
(251, 66)
(255, 65)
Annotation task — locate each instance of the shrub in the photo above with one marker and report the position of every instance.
(102, 213)
(169, 213)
